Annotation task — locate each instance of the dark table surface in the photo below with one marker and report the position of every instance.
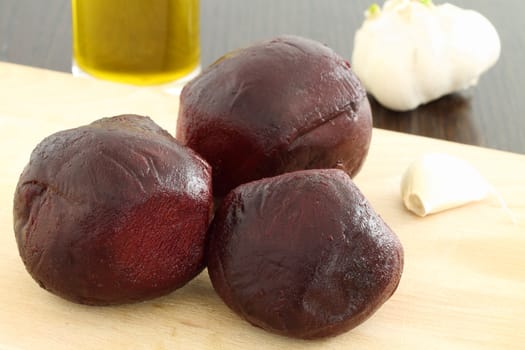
(492, 114)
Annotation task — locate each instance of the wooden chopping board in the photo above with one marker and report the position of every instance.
(463, 285)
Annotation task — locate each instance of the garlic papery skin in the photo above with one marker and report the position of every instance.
(411, 52)
(437, 182)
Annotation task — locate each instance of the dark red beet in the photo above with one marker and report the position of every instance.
(113, 212)
(278, 106)
(303, 254)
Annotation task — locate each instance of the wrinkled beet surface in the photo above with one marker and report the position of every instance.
(303, 254)
(278, 106)
(113, 212)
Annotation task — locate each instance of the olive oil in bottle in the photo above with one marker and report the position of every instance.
(142, 42)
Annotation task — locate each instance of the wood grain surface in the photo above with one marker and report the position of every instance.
(463, 285)
(38, 33)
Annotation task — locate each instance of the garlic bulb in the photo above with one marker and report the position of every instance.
(437, 182)
(411, 51)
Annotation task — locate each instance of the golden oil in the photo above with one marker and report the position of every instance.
(142, 42)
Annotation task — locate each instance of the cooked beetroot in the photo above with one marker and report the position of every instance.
(113, 212)
(303, 254)
(278, 106)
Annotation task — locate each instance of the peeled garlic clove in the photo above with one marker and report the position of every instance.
(437, 182)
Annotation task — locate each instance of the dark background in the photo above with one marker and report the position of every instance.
(492, 114)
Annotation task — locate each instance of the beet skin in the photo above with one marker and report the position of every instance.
(278, 106)
(113, 212)
(303, 254)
